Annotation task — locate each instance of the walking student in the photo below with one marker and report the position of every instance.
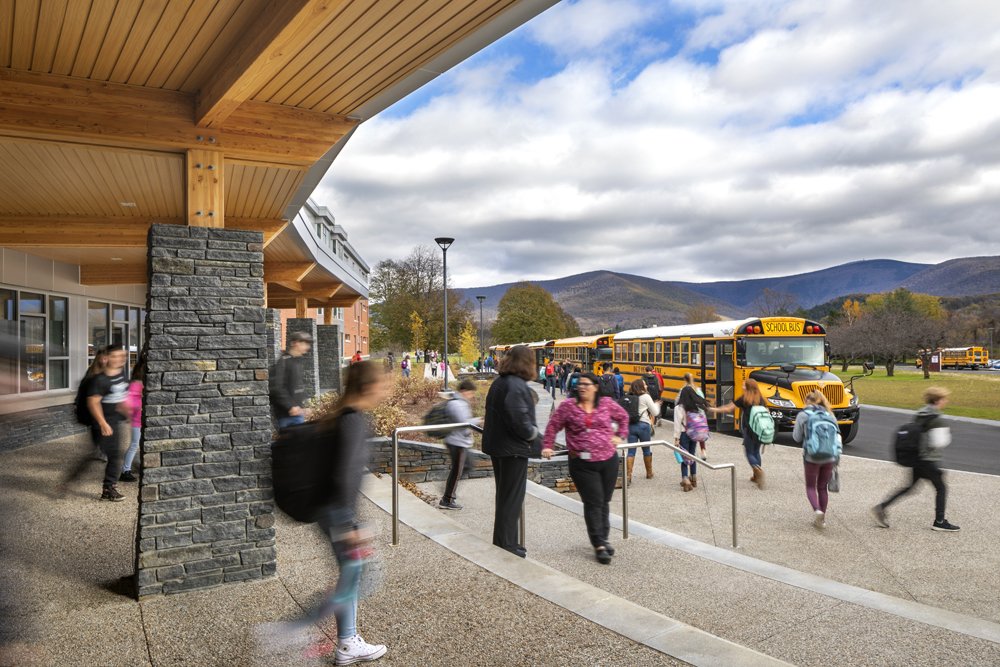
(594, 426)
(405, 365)
(816, 428)
(511, 437)
(642, 430)
(364, 387)
(459, 408)
(690, 428)
(751, 442)
(935, 437)
(697, 398)
(286, 384)
(135, 408)
(106, 396)
(608, 384)
(551, 377)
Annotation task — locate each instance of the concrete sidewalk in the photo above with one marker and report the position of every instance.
(65, 564)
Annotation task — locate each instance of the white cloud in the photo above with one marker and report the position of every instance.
(823, 133)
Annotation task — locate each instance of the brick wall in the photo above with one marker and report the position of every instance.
(205, 500)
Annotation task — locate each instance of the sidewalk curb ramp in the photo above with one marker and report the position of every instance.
(659, 632)
(907, 609)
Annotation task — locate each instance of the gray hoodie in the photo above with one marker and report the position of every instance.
(937, 434)
(459, 411)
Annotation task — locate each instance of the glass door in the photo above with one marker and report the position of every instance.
(724, 388)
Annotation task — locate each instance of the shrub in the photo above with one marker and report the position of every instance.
(386, 417)
(323, 404)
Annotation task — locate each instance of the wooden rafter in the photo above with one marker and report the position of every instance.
(46, 106)
(281, 30)
(270, 228)
(76, 232)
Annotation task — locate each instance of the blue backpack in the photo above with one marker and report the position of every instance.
(762, 424)
(822, 441)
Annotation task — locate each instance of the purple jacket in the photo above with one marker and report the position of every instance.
(588, 432)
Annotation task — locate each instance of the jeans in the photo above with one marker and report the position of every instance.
(457, 468)
(550, 384)
(111, 447)
(641, 432)
(817, 477)
(285, 422)
(510, 473)
(690, 446)
(930, 471)
(752, 449)
(342, 602)
(406, 372)
(595, 482)
(133, 448)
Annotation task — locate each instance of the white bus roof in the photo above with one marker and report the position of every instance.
(722, 329)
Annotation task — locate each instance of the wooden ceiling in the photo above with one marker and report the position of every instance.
(116, 114)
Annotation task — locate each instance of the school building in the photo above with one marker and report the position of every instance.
(156, 160)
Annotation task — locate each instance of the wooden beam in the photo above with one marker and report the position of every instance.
(270, 228)
(301, 306)
(113, 274)
(327, 315)
(290, 272)
(78, 232)
(204, 178)
(47, 106)
(281, 30)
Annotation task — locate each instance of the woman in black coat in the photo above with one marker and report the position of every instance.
(510, 437)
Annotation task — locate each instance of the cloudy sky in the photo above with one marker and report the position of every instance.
(693, 140)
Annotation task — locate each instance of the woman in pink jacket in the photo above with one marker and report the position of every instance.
(134, 401)
(594, 426)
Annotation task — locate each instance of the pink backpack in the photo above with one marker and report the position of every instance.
(696, 426)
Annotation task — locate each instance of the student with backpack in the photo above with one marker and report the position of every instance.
(551, 377)
(106, 395)
(81, 411)
(690, 429)
(642, 413)
(654, 383)
(756, 426)
(335, 507)
(404, 365)
(608, 385)
(928, 435)
(816, 428)
(571, 382)
(459, 410)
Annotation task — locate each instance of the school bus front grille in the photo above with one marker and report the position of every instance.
(833, 392)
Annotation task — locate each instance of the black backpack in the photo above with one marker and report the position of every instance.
(607, 385)
(631, 404)
(80, 408)
(439, 415)
(906, 444)
(302, 461)
(653, 386)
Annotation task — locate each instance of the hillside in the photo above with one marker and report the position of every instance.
(606, 299)
(967, 276)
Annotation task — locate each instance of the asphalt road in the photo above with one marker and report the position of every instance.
(975, 447)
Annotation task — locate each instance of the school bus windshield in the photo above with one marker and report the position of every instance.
(777, 351)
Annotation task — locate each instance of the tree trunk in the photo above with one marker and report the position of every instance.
(843, 367)
(890, 366)
(925, 364)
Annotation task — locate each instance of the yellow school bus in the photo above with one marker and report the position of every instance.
(787, 356)
(587, 352)
(964, 357)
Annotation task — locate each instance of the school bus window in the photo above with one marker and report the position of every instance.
(666, 351)
(695, 353)
(710, 356)
(659, 353)
(635, 352)
(685, 353)
(675, 352)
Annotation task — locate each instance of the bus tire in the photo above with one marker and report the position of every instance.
(849, 431)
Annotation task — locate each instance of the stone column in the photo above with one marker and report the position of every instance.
(272, 321)
(310, 374)
(329, 343)
(205, 497)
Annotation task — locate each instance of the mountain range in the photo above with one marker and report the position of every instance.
(610, 300)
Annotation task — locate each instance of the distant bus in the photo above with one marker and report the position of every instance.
(965, 357)
(587, 352)
(787, 356)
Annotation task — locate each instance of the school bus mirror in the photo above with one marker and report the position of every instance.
(869, 366)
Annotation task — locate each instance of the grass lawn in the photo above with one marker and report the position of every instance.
(972, 394)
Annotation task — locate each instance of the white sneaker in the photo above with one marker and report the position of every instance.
(819, 519)
(355, 649)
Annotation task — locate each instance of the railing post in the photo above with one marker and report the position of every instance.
(521, 527)
(395, 488)
(732, 485)
(625, 496)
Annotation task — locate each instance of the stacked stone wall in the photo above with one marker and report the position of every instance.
(31, 427)
(310, 366)
(329, 352)
(205, 501)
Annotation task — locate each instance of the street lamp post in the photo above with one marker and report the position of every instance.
(482, 345)
(991, 342)
(444, 242)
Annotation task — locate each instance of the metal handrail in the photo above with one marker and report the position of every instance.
(686, 454)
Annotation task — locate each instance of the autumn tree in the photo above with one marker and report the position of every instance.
(414, 284)
(468, 342)
(418, 334)
(527, 313)
(774, 302)
(701, 312)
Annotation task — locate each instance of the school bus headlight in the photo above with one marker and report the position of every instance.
(780, 402)
(854, 401)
